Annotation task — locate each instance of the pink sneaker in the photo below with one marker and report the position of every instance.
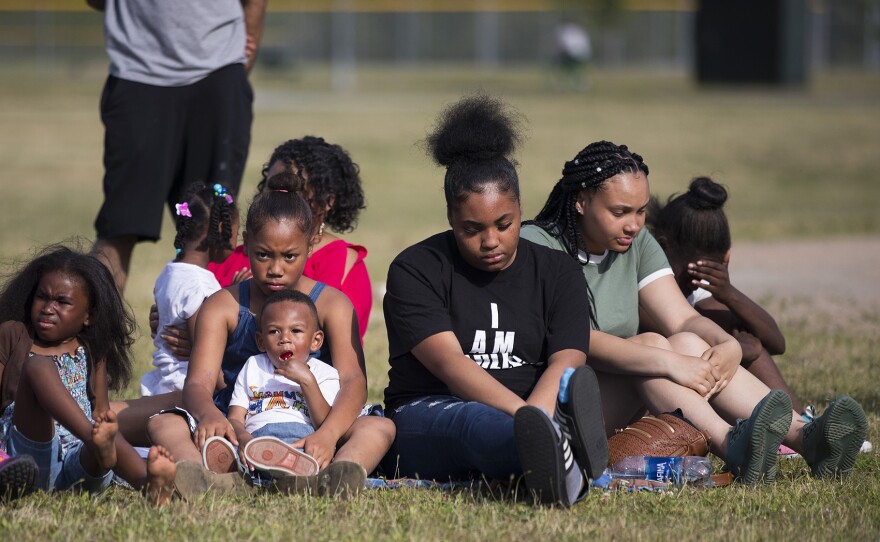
(18, 475)
(218, 455)
(784, 452)
(278, 458)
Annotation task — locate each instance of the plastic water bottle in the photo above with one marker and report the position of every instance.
(693, 470)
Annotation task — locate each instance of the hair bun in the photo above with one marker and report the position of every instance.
(704, 193)
(475, 128)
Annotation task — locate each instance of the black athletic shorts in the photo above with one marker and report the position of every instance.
(159, 140)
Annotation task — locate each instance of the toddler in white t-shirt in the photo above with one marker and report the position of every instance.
(282, 395)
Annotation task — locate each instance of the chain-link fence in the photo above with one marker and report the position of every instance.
(839, 33)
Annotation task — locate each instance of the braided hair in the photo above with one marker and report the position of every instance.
(589, 170)
(331, 176)
(206, 211)
(692, 224)
(473, 139)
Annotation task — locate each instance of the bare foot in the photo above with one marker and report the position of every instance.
(104, 439)
(161, 470)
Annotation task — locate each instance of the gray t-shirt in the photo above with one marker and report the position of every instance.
(170, 43)
(615, 278)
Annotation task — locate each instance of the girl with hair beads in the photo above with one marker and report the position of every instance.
(64, 342)
(485, 332)
(325, 175)
(277, 238)
(596, 215)
(693, 231)
(207, 226)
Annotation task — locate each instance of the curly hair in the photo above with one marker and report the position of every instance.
(212, 212)
(332, 177)
(473, 139)
(692, 224)
(110, 333)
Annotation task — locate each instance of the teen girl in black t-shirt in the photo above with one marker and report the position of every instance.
(481, 327)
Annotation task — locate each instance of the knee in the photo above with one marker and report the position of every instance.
(386, 429)
(118, 406)
(378, 428)
(688, 343)
(162, 424)
(653, 339)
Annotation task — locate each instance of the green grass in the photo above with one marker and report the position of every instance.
(799, 164)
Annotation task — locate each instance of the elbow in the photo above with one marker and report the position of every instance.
(777, 348)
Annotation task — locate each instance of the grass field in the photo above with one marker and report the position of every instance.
(798, 163)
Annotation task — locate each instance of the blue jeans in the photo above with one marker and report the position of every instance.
(289, 432)
(57, 472)
(441, 437)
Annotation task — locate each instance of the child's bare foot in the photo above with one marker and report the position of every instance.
(104, 439)
(161, 470)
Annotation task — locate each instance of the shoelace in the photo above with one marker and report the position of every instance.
(809, 416)
(737, 429)
(809, 413)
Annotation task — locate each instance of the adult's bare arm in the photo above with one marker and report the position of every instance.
(254, 14)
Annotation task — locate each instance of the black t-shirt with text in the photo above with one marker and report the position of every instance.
(509, 322)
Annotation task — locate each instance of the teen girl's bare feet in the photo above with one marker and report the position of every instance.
(104, 432)
(161, 470)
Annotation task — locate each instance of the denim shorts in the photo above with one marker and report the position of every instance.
(289, 432)
(57, 472)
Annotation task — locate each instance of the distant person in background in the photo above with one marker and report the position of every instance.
(176, 107)
(574, 52)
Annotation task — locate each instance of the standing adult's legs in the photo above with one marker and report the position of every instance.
(141, 144)
(115, 253)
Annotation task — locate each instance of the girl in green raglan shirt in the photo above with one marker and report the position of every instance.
(596, 214)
